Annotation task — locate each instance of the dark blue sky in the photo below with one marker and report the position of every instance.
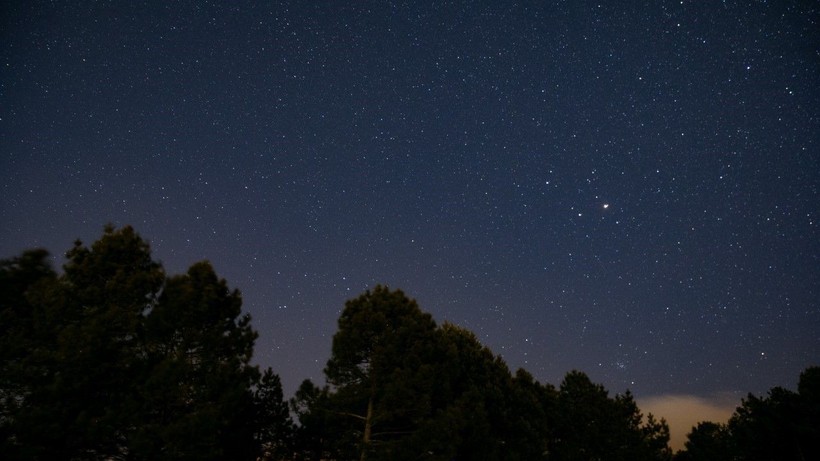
(625, 188)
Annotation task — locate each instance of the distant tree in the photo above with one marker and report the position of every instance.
(784, 425)
(590, 425)
(272, 423)
(707, 441)
(308, 435)
(323, 431)
(655, 439)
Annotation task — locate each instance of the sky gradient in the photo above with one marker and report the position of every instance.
(625, 188)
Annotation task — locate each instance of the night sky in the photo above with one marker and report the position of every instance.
(625, 188)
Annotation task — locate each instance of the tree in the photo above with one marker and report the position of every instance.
(272, 423)
(197, 394)
(512, 419)
(112, 360)
(414, 391)
(82, 403)
(481, 411)
(656, 439)
(464, 400)
(783, 425)
(380, 367)
(581, 431)
(532, 405)
(769, 428)
(707, 441)
(591, 425)
(808, 425)
(323, 431)
(23, 333)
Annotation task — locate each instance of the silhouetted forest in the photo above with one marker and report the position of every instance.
(114, 359)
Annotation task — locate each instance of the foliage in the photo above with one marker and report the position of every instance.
(591, 425)
(198, 350)
(271, 419)
(403, 388)
(82, 400)
(707, 441)
(381, 369)
(323, 431)
(25, 336)
(114, 360)
(485, 412)
(784, 425)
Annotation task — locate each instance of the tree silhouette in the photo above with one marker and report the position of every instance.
(84, 402)
(115, 360)
(197, 396)
(25, 337)
(379, 367)
(707, 441)
(591, 425)
(273, 426)
(483, 412)
(783, 425)
(112, 360)
(406, 389)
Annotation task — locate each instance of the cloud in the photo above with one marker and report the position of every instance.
(682, 412)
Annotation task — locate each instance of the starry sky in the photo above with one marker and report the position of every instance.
(625, 188)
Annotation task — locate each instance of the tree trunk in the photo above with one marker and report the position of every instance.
(368, 426)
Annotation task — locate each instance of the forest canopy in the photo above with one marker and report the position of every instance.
(112, 358)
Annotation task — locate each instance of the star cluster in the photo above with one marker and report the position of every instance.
(628, 190)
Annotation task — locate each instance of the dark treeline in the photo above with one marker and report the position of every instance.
(784, 425)
(114, 359)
